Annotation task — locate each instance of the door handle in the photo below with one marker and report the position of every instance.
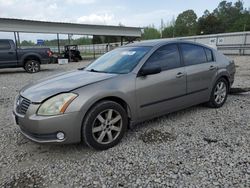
(212, 67)
(10, 52)
(179, 75)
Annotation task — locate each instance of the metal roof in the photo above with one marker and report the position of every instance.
(30, 26)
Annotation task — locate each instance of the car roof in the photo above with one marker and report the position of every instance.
(158, 42)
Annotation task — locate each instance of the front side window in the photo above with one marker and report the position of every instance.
(4, 45)
(167, 57)
(119, 61)
(193, 54)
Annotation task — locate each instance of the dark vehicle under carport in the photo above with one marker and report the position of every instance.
(30, 59)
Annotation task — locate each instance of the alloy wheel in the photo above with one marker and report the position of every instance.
(220, 92)
(107, 126)
(33, 67)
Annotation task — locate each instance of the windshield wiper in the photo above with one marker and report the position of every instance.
(82, 68)
(93, 70)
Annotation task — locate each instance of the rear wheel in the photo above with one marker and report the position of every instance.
(32, 66)
(104, 125)
(219, 94)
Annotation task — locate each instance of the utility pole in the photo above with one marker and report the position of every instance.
(244, 27)
(162, 25)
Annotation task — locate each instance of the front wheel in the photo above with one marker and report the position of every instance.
(104, 125)
(32, 66)
(219, 94)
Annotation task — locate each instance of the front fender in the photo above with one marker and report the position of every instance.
(123, 89)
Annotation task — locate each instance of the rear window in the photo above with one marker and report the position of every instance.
(209, 55)
(193, 54)
(4, 45)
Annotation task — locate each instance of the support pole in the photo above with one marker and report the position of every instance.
(18, 40)
(58, 43)
(69, 39)
(121, 41)
(93, 43)
(15, 40)
(94, 50)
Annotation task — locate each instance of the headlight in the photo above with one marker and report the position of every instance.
(56, 105)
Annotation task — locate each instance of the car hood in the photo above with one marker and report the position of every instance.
(43, 89)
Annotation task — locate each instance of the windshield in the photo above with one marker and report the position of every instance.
(119, 61)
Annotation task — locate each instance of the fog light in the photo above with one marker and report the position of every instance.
(60, 136)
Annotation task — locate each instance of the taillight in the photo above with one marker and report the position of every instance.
(49, 53)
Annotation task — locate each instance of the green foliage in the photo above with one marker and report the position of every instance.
(27, 43)
(150, 33)
(186, 23)
(227, 17)
(97, 39)
(110, 39)
(168, 32)
(63, 42)
(209, 24)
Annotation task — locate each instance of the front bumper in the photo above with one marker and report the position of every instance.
(43, 129)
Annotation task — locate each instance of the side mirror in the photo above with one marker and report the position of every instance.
(149, 71)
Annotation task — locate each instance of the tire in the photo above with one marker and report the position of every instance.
(32, 66)
(99, 131)
(219, 93)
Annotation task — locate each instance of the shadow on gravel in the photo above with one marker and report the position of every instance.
(236, 91)
(156, 136)
(210, 140)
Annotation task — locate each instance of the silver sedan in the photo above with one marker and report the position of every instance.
(126, 86)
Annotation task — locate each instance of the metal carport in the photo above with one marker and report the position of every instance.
(30, 26)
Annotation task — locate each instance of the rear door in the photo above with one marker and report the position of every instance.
(7, 54)
(157, 94)
(200, 67)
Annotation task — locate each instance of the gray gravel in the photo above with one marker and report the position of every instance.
(196, 147)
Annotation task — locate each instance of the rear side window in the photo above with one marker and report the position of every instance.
(4, 45)
(209, 55)
(193, 54)
(167, 57)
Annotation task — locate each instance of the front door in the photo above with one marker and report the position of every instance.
(159, 93)
(7, 54)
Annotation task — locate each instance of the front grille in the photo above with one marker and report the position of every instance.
(22, 105)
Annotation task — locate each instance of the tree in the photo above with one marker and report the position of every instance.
(150, 33)
(186, 23)
(27, 43)
(97, 39)
(229, 15)
(209, 24)
(111, 39)
(168, 32)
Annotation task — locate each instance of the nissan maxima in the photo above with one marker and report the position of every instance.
(128, 85)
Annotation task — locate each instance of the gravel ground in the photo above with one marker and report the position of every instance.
(196, 147)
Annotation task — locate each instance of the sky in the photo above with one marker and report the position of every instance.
(137, 13)
(108, 12)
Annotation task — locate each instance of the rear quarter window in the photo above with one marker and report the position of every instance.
(209, 55)
(193, 54)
